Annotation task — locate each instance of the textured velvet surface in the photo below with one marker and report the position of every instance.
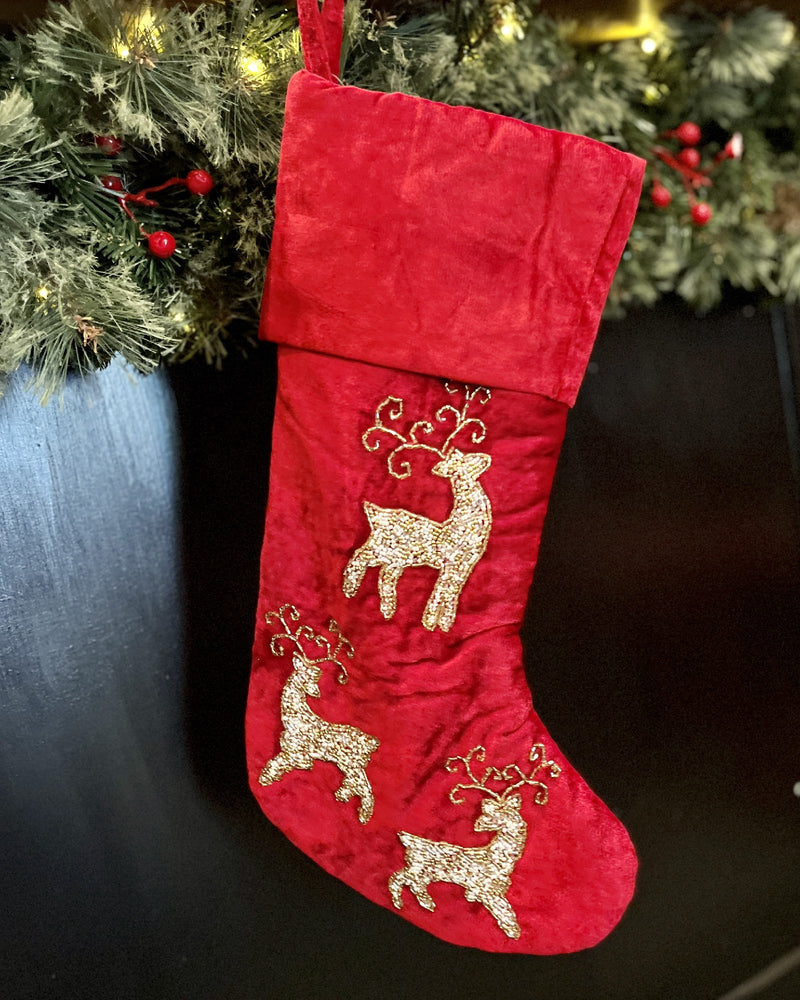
(443, 239)
(321, 36)
(426, 695)
(415, 241)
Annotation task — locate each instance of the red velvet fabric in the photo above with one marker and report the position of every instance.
(426, 695)
(443, 239)
(321, 36)
(415, 241)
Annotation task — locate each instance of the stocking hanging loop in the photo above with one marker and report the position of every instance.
(321, 35)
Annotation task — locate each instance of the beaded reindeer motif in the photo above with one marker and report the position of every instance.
(399, 539)
(306, 738)
(484, 872)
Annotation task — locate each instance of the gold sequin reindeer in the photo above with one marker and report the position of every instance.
(400, 538)
(306, 738)
(484, 872)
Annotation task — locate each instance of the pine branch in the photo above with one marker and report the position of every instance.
(27, 160)
(205, 88)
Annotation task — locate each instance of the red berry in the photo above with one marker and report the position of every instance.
(660, 195)
(701, 213)
(689, 158)
(111, 183)
(161, 244)
(688, 133)
(199, 181)
(109, 145)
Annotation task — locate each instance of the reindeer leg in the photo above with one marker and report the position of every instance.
(501, 910)
(274, 770)
(344, 792)
(440, 611)
(357, 783)
(396, 883)
(419, 887)
(411, 876)
(403, 878)
(364, 792)
(355, 570)
(387, 588)
(367, 805)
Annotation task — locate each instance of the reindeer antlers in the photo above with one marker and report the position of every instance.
(536, 756)
(491, 773)
(462, 420)
(309, 635)
(409, 440)
(405, 441)
(507, 774)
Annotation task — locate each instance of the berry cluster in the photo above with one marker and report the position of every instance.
(687, 164)
(160, 243)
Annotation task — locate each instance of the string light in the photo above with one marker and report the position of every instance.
(43, 292)
(649, 45)
(139, 31)
(508, 24)
(252, 67)
(180, 320)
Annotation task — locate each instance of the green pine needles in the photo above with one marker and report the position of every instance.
(203, 88)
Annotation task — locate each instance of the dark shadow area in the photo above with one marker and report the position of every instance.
(662, 644)
(225, 422)
(661, 641)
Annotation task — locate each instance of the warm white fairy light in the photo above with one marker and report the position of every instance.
(509, 25)
(252, 67)
(649, 45)
(180, 319)
(43, 292)
(137, 28)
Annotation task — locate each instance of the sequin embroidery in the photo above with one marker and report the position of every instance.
(306, 738)
(400, 538)
(483, 872)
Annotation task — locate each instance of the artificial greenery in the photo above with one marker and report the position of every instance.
(204, 88)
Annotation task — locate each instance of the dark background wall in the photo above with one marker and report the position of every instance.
(661, 641)
(662, 644)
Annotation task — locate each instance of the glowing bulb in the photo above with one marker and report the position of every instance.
(508, 24)
(143, 23)
(43, 292)
(649, 45)
(141, 32)
(252, 66)
(652, 94)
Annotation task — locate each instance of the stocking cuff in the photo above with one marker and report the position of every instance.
(443, 240)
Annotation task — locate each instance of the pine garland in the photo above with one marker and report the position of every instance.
(204, 88)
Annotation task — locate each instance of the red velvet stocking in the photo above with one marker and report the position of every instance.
(416, 243)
